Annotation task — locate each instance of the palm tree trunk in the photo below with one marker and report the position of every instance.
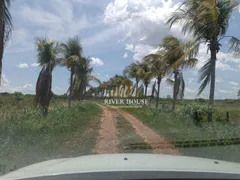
(212, 83)
(80, 88)
(158, 91)
(2, 28)
(137, 87)
(70, 90)
(174, 92)
(145, 94)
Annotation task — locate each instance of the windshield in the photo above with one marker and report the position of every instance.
(118, 76)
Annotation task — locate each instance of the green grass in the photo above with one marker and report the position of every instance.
(129, 141)
(177, 127)
(27, 137)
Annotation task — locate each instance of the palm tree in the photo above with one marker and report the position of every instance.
(178, 85)
(117, 81)
(145, 75)
(112, 84)
(6, 27)
(83, 78)
(178, 55)
(72, 52)
(126, 83)
(158, 69)
(47, 52)
(131, 71)
(208, 21)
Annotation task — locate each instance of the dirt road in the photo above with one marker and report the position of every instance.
(107, 141)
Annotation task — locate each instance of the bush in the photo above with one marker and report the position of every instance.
(201, 100)
(229, 101)
(197, 112)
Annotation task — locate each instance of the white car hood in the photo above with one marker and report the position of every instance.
(123, 162)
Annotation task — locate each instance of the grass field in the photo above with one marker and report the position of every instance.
(27, 137)
(179, 127)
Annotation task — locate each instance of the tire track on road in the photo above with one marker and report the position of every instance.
(157, 142)
(107, 141)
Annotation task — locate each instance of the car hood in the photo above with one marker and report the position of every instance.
(123, 162)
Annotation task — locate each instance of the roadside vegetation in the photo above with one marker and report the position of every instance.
(217, 139)
(28, 137)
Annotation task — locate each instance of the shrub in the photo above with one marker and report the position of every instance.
(196, 111)
(229, 101)
(201, 100)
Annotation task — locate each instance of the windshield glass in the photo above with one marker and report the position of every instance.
(118, 76)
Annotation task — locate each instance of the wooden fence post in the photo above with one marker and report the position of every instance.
(227, 116)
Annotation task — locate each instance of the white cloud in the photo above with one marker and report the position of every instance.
(190, 90)
(139, 50)
(35, 65)
(4, 81)
(140, 22)
(219, 80)
(235, 88)
(59, 90)
(102, 36)
(190, 80)
(234, 83)
(225, 92)
(54, 23)
(22, 65)
(27, 86)
(5, 87)
(96, 61)
(222, 59)
(125, 55)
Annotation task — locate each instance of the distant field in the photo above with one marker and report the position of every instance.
(27, 137)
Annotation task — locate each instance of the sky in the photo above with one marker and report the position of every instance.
(114, 33)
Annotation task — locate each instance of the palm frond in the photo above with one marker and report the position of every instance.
(8, 26)
(170, 82)
(205, 76)
(234, 46)
(181, 86)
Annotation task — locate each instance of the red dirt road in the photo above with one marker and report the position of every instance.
(157, 142)
(107, 141)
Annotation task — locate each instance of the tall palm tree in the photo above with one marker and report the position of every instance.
(158, 68)
(118, 82)
(126, 83)
(6, 27)
(47, 54)
(72, 52)
(112, 84)
(145, 75)
(208, 21)
(178, 85)
(131, 71)
(83, 77)
(178, 55)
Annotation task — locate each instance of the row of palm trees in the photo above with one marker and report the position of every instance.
(172, 56)
(69, 54)
(207, 21)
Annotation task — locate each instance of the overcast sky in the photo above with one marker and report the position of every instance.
(113, 32)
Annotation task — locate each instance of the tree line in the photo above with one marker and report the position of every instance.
(207, 21)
